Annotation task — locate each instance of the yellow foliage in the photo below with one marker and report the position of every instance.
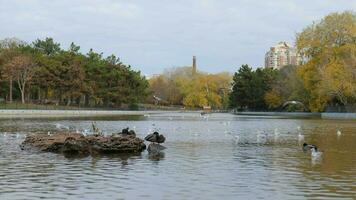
(330, 48)
(193, 91)
(273, 98)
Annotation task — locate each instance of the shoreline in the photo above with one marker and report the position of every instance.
(306, 115)
(25, 113)
(14, 113)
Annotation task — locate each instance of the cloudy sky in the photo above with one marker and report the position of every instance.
(155, 34)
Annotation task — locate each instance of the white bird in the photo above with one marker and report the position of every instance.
(276, 134)
(315, 153)
(236, 139)
(85, 132)
(49, 133)
(338, 132)
(60, 126)
(17, 135)
(300, 137)
(262, 137)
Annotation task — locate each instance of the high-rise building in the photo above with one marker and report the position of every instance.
(281, 55)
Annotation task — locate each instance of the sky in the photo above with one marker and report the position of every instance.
(152, 35)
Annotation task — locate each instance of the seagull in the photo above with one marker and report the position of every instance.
(262, 137)
(276, 134)
(236, 139)
(338, 133)
(300, 137)
(49, 133)
(60, 126)
(85, 132)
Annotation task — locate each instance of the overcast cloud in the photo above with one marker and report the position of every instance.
(155, 34)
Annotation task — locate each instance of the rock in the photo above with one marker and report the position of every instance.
(75, 143)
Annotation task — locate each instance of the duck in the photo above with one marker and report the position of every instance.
(315, 153)
(155, 137)
(307, 147)
(125, 131)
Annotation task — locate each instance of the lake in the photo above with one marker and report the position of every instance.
(217, 156)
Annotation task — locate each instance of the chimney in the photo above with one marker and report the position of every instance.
(194, 65)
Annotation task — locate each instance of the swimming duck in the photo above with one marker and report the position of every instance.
(155, 137)
(315, 153)
(307, 147)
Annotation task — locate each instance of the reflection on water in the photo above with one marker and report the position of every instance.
(210, 157)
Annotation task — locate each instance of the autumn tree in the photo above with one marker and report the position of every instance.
(179, 86)
(9, 48)
(22, 69)
(329, 71)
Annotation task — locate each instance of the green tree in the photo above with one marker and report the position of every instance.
(47, 46)
(241, 94)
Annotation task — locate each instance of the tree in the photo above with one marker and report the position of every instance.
(22, 68)
(241, 87)
(249, 88)
(47, 46)
(288, 86)
(329, 50)
(177, 86)
(9, 48)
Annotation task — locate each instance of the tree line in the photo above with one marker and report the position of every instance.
(43, 72)
(181, 86)
(327, 76)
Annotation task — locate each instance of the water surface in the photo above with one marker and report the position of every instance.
(221, 156)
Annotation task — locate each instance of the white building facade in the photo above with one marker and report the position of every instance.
(281, 55)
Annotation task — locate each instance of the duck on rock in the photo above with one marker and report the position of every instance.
(127, 131)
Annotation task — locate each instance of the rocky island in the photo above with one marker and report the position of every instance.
(69, 143)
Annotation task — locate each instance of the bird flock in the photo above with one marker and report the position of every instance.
(153, 136)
